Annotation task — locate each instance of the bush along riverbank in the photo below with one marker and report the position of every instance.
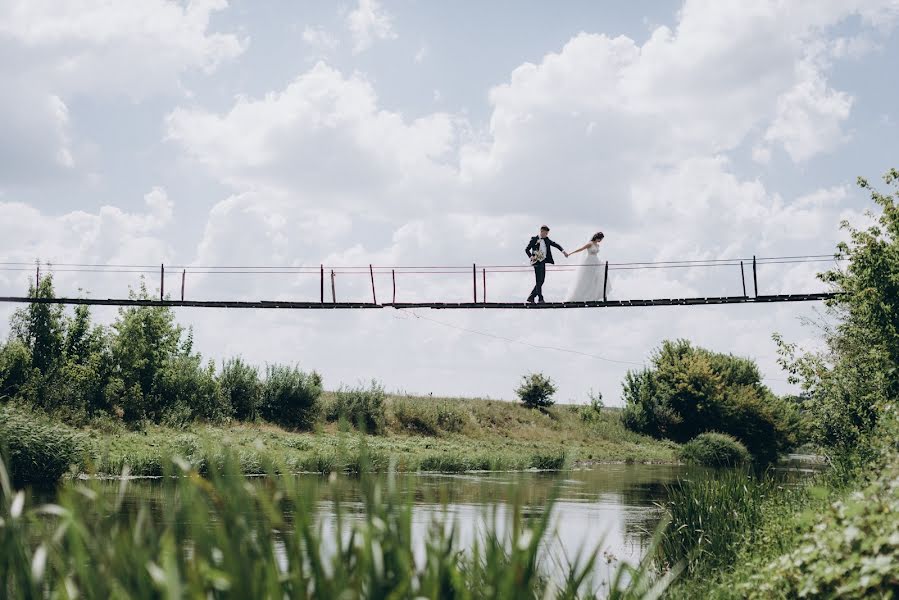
(838, 537)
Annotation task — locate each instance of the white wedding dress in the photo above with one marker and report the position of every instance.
(590, 278)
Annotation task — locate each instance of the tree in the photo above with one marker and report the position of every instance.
(145, 339)
(688, 391)
(242, 388)
(847, 387)
(15, 368)
(536, 391)
(41, 327)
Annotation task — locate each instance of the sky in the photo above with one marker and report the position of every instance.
(411, 133)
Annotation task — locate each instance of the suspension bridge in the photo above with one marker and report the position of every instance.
(479, 279)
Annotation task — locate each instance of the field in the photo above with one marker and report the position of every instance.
(431, 434)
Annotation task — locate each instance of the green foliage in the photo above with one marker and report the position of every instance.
(536, 391)
(851, 552)
(689, 390)
(290, 397)
(36, 450)
(199, 538)
(715, 450)
(361, 406)
(146, 339)
(710, 515)
(15, 368)
(429, 416)
(241, 388)
(189, 391)
(592, 412)
(846, 386)
(41, 327)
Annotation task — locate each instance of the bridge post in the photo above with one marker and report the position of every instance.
(37, 279)
(484, 292)
(322, 283)
(755, 279)
(161, 282)
(474, 281)
(371, 272)
(743, 278)
(333, 290)
(393, 277)
(183, 277)
(605, 282)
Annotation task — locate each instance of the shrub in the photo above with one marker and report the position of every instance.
(536, 391)
(241, 388)
(592, 413)
(290, 397)
(451, 419)
(715, 450)
(689, 390)
(852, 551)
(428, 416)
(35, 450)
(191, 391)
(415, 417)
(15, 368)
(362, 406)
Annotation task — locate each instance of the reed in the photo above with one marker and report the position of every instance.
(223, 536)
(710, 516)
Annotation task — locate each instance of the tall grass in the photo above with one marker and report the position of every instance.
(710, 516)
(37, 450)
(222, 537)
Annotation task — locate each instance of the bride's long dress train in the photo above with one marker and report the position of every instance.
(590, 279)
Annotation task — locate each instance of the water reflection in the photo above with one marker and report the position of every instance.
(609, 508)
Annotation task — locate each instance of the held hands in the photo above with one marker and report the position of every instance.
(566, 254)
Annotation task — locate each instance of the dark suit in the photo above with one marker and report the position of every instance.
(540, 267)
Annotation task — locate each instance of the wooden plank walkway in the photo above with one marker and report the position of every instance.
(284, 304)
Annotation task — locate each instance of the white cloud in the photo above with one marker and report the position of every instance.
(369, 22)
(108, 236)
(55, 52)
(319, 38)
(809, 116)
(421, 55)
(133, 48)
(324, 139)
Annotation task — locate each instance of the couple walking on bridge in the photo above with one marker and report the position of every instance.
(590, 280)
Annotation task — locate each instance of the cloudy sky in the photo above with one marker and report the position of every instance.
(413, 133)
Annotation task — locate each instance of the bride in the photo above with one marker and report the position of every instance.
(591, 275)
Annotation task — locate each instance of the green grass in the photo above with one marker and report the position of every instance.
(780, 517)
(711, 515)
(220, 536)
(461, 435)
(37, 450)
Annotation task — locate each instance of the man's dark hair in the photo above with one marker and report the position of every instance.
(544, 228)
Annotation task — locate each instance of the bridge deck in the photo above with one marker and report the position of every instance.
(284, 304)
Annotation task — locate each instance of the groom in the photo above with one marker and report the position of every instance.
(541, 243)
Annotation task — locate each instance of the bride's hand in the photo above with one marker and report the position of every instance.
(566, 254)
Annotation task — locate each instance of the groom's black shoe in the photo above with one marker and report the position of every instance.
(541, 300)
(530, 300)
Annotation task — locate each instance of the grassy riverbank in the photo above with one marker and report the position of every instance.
(431, 434)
